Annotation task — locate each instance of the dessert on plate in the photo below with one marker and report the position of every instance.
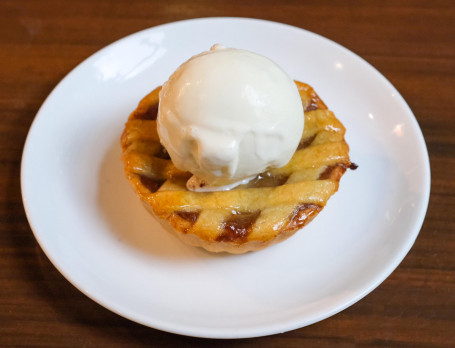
(231, 154)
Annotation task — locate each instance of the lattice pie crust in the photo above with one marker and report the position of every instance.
(250, 217)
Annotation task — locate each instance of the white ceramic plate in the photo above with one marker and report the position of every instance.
(93, 228)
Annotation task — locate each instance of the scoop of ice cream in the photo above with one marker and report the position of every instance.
(227, 115)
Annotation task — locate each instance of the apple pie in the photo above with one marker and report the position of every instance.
(250, 217)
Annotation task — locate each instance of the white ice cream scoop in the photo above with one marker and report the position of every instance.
(227, 115)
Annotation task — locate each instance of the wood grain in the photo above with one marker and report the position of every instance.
(411, 42)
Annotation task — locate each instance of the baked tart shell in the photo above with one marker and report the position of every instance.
(251, 217)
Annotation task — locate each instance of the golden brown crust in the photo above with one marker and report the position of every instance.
(250, 217)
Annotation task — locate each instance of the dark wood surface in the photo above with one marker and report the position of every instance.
(411, 42)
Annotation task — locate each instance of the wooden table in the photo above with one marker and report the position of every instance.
(411, 42)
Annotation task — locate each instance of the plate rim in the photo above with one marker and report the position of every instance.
(232, 333)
